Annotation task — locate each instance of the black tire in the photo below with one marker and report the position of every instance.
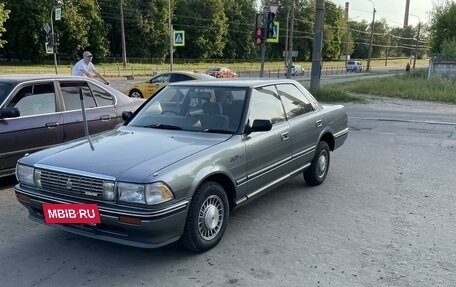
(135, 94)
(207, 218)
(316, 173)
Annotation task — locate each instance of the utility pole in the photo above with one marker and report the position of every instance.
(122, 36)
(371, 37)
(286, 40)
(290, 44)
(348, 32)
(416, 44)
(317, 46)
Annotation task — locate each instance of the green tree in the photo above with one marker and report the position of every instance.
(239, 43)
(3, 17)
(80, 28)
(205, 25)
(25, 37)
(380, 40)
(146, 27)
(361, 38)
(443, 27)
(448, 48)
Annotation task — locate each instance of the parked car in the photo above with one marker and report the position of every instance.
(221, 72)
(296, 70)
(189, 156)
(354, 66)
(147, 89)
(39, 112)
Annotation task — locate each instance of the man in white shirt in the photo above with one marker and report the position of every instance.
(84, 66)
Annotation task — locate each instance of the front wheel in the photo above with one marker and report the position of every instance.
(316, 173)
(135, 94)
(207, 218)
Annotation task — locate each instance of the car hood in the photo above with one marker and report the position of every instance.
(129, 153)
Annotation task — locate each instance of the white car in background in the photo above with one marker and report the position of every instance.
(296, 70)
(354, 66)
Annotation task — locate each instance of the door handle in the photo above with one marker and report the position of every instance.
(52, 124)
(105, 117)
(285, 136)
(319, 123)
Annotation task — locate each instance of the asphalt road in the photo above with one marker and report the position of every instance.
(383, 217)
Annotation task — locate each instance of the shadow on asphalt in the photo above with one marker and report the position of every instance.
(8, 182)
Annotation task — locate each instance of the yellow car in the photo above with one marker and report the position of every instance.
(147, 89)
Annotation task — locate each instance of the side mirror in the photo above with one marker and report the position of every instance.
(126, 116)
(9, 113)
(260, 126)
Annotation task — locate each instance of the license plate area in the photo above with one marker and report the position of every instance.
(78, 213)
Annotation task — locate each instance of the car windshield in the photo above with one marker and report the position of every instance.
(194, 108)
(5, 89)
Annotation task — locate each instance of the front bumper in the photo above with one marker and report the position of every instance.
(157, 227)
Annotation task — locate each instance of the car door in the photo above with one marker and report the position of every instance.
(306, 123)
(98, 104)
(267, 152)
(157, 82)
(39, 125)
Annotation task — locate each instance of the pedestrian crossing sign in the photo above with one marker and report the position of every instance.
(275, 33)
(179, 38)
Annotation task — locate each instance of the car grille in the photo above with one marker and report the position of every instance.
(65, 183)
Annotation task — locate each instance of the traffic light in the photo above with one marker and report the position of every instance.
(56, 39)
(259, 35)
(270, 25)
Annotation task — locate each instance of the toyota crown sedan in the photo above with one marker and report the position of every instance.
(38, 112)
(182, 162)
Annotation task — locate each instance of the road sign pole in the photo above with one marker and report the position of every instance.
(171, 38)
(263, 43)
(53, 43)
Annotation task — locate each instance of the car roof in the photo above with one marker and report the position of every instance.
(189, 73)
(238, 82)
(14, 79)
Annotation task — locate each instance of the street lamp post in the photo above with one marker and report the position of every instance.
(417, 39)
(372, 36)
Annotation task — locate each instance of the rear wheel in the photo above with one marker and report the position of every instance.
(207, 218)
(316, 173)
(135, 94)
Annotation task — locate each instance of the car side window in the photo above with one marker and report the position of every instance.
(35, 99)
(102, 97)
(265, 105)
(164, 78)
(294, 102)
(71, 98)
(180, 77)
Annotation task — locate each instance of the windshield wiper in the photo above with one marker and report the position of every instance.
(164, 126)
(218, 131)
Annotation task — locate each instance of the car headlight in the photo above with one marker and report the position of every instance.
(24, 174)
(149, 194)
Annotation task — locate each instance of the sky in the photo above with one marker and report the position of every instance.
(392, 11)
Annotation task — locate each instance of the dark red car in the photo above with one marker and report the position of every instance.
(221, 72)
(39, 112)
